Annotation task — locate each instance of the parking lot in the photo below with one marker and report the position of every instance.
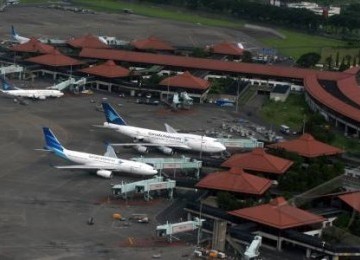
(44, 211)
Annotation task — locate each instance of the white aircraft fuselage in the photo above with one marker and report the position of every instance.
(166, 139)
(34, 93)
(108, 163)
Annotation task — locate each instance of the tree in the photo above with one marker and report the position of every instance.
(348, 60)
(337, 60)
(308, 60)
(343, 65)
(246, 57)
(329, 62)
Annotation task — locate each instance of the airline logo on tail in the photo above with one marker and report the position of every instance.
(111, 115)
(4, 84)
(52, 143)
(13, 33)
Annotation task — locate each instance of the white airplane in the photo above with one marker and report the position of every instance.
(164, 141)
(16, 37)
(28, 93)
(104, 165)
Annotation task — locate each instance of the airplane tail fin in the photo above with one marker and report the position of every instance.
(111, 115)
(5, 85)
(52, 143)
(13, 32)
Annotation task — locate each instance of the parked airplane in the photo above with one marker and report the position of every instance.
(104, 165)
(28, 93)
(16, 37)
(164, 141)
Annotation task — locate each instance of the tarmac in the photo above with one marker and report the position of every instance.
(32, 21)
(44, 210)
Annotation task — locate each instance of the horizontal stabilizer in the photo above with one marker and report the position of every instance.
(42, 150)
(110, 152)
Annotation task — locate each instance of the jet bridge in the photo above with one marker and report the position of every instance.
(172, 163)
(144, 187)
(11, 69)
(168, 230)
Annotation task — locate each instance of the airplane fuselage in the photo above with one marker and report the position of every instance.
(34, 93)
(180, 140)
(108, 163)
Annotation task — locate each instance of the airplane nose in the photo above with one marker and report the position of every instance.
(221, 147)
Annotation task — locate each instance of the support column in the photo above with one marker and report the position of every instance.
(219, 235)
(109, 88)
(308, 253)
(97, 85)
(279, 244)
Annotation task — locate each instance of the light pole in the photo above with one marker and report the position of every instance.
(201, 146)
(199, 228)
(237, 95)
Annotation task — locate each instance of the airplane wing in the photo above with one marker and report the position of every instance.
(169, 129)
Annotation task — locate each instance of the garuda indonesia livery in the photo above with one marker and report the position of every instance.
(42, 94)
(16, 37)
(164, 141)
(104, 165)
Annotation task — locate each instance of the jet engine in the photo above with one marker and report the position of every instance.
(104, 173)
(166, 150)
(141, 149)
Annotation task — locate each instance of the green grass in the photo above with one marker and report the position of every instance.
(297, 44)
(291, 112)
(294, 45)
(326, 52)
(245, 97)
(156, 11)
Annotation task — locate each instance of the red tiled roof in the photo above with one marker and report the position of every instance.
(33, 45)
(352, 199)
(152, 43)
(87, 41)
(259, 160)
(55, 59)
(185, 80)
(354, 70)
(108, 70)
(307, 146)
(316, 91)
(350, 88)
(279, 214)
(207, 64)
(235, 180)
(309, 76)
(227, 48)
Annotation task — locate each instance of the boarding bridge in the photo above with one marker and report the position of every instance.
(252, 251)
(11, 69)
(65, 84)
(243, 143)
(172, 163)
(168, 230)
(144, 187)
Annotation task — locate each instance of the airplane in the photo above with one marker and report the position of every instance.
(16, 37)
(104, 165)
(164, 141)
(41, 94)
